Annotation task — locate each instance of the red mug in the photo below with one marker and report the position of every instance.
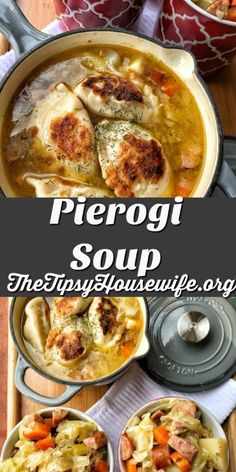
(211, 40)
(76, 14)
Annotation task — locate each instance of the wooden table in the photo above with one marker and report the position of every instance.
(40, 13)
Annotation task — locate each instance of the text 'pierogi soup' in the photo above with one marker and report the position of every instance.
(103, 122)
(80, 339)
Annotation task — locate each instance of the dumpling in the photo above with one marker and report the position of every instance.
(67, 312)
(68, 341)
(105, 321)
(59, 187)
(37, 324)
(70, 336)
(62, 306)
(132, 161)
(65, 130)
(113, 96)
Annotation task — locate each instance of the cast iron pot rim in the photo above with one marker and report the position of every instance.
(219, 159)
(99, 381)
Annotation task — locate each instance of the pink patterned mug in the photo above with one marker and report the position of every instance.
(211, 40)
(76, 14)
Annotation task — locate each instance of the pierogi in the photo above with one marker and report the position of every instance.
(132, 160)
(82, 339)
(103, 122)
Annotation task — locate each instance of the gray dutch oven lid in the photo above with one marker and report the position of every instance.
(193, 342)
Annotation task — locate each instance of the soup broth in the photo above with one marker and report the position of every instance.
(71, 341)
(170, 140)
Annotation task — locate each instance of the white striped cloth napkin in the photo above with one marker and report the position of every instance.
(145, 25)
(135, 388)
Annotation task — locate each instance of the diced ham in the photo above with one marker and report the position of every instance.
(183, 447)
(186, 407)
(127, 447)
(96, 441)
(161, 456)
(58, 416)
(157, 415)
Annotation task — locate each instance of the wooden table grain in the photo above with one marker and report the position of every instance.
(223, 87)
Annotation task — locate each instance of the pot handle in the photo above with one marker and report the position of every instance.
(14, 25)
(227, 180)
(21, 368)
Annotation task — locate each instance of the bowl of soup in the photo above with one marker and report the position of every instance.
(106, 113)
(77, 341)
(172, 434)
(57, 439)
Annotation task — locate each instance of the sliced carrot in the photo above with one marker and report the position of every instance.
(181, 191)
(231, 15)
(131, 466)
(127, 348)
(182, 463)
(169, 89)
(101, 466)
(161, 435)
(38, 431)
(45, 443)
(233, 3)
(139, 324)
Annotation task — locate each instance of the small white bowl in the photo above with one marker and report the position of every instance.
(208, 419)
(13, 437)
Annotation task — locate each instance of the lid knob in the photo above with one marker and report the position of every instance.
(193, 327)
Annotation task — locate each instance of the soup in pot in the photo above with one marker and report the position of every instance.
(80, 339)
(103, 122)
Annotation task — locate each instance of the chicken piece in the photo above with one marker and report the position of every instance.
(65, 130)
(185, 406)
(103, 318)
(97, 441)
(183, 447)
(59, 187)
(132, 161)
(113, 96)
(37, 323)
(127, 447)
